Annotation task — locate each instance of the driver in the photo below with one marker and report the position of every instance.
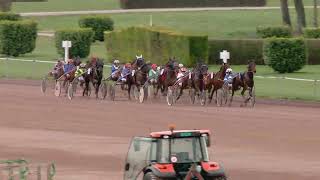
(115, 68)
(79, 73)
(229, 77)
(125, 72)
(182, 71)
(68, 68)
(153, 74)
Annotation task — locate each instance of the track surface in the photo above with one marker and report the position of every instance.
(88, 139)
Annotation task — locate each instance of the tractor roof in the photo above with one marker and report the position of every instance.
(170, 133)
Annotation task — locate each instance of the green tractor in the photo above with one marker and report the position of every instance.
(169, 155)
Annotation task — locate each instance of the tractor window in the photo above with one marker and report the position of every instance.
(186, 150)
(182, 150)
(163, 151)
(203, 141)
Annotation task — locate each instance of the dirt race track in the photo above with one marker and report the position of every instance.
(88, 139)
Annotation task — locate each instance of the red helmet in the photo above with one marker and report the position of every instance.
(154, 66)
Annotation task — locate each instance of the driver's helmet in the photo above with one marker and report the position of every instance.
(154, 66)
(94, 58)
(127, 65)
(229, 70)
(181, 66)
(116, 62)
(70, 61)
(82, 65)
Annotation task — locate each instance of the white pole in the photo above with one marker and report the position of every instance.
(66, 54)
(151, 20)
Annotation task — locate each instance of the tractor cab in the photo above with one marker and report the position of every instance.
(172, 155)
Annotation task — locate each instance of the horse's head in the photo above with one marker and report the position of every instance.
(252, 66)
(224, 68)
(204, 69)
(100, 65)
(76, 61)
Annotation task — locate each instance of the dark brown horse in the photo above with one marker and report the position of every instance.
(218, 80)
(94, 74)
(168, 76)
(244, 80)
(198, 76)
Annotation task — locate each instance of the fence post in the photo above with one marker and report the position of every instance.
(315, 89)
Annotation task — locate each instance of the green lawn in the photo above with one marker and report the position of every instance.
(217, 24)
(65, 5)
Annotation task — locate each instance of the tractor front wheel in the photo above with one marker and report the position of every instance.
(218, 178)
(150, 176)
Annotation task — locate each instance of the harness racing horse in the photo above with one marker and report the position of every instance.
(140, 76)
(168, 76)
(246, 81)
(218, 81)
(57, 70)
(94, 75)
(198, 81)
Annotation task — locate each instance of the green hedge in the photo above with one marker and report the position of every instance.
(9, 16)
(99, 24)
(241, 50)
(312, 33)
(274, 31)
(81, 39)
(285, 55)
(156, 45)
(137, 4)
(245, 49)
(313, 46)
(17, 37)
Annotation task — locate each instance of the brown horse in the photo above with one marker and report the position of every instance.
(244, 80)
(218, 80)
(208, 82)
(168, 77)
(94, 74)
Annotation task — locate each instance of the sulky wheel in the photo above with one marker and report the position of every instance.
(57, 89)
(141, 95)
(192, 95)
(44, 84)
(203, 98)
(103, 90)
(170, 96)
(112, 91)
(225, 94)
(70, 91)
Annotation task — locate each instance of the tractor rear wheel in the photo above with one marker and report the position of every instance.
(150, 176)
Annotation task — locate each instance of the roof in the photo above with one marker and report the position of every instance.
(169, 133)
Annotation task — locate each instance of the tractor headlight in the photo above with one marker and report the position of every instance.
(198, 168)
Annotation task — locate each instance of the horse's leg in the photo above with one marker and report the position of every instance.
(98, 87)
(180, 94)
(242, 94)
(231, 98)
(129, 91)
